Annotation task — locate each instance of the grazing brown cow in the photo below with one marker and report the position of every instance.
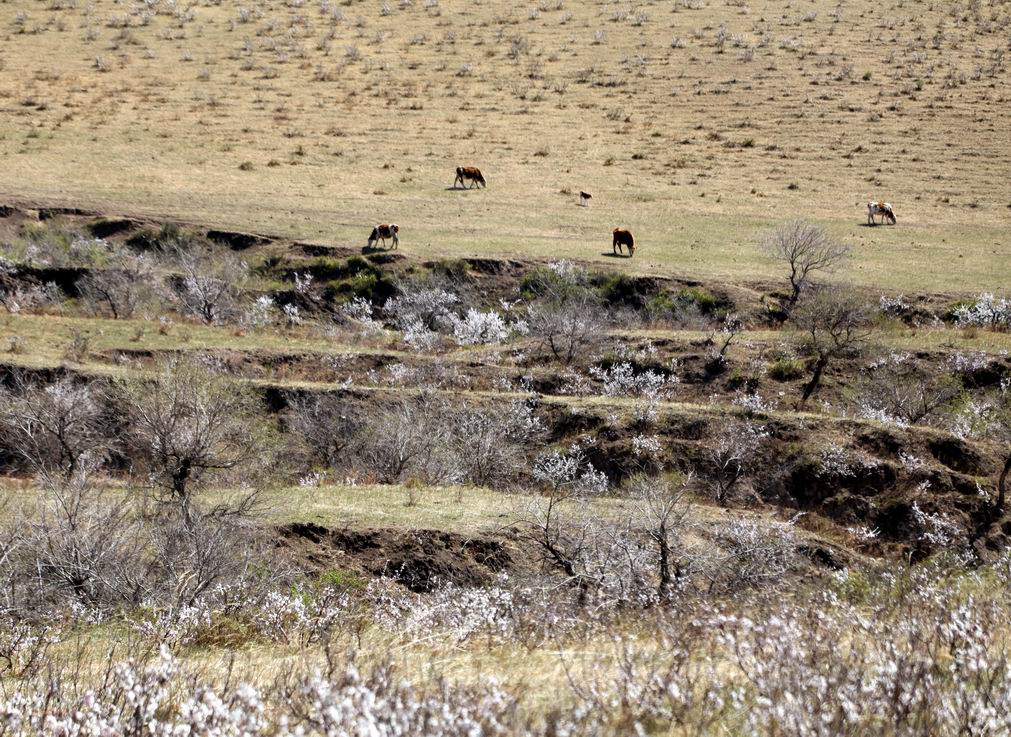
(623, 237)
(382, 232)
(469, 174)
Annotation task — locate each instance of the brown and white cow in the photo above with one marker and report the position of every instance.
(883, 209)
(622, 237)
(382, 232)
(469, 174)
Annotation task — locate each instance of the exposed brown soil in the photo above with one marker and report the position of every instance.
(418, 559)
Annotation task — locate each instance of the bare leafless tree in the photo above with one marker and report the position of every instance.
(328, 425)
(491, 443)
(596, 554)
(407, 438)
(188, 426)
(209, 282)
(121, 287)
(720, 340)
(833, 323)
(1003, 436)
(752, 552)
(192, 558)
(902, 391)
(83, 542)
(54, 427)
(662, 509)
(805, 249)
(568, 328)
(728, 458)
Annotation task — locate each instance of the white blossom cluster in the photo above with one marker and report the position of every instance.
(646, 445)
(936, 529)
(870, 410)
(621, 380)
(987, 311)
(835, 460)
(482, 328)
(754, 404)
(260, 313)
(893, 306)
(458, 613)
(569, 470)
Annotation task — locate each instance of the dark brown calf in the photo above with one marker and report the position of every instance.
(621, 238)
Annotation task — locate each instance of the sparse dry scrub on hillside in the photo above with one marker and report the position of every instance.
(729, 457)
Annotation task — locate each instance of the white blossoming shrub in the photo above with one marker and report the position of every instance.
(429, 307)
(754, 404)
(987, 311)
(260, 313)
(292, 315)
(622, 380)
(456, 612)
(303, 283)
(936, 529)
(569, 470)
(834, 460)
(418, 336)
(893, 306)
(479, 328)
(360, 310)
(646, 445)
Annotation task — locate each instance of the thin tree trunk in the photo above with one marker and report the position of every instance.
(665, 578)
(1002, 484)
(819, 369)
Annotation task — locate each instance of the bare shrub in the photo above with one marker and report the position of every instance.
(805, 249)
(193, 555)
(566, 315)
(190, 427)
(327, 424)
(601, 558)
(833, 323)
(720, 341)
(896, 390)
(405, 439)
(569, 329)
(991, 418)
(58, 428)
(121, 288)
(729, 457)
(491, 444)
(662, 511)
(209, 282)
(752, 554)
(81, 544)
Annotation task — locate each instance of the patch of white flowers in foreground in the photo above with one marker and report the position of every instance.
(920, 654)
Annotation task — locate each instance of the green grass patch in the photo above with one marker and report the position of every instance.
(785, 369)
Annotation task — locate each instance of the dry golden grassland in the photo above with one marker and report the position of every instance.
(696, 124)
